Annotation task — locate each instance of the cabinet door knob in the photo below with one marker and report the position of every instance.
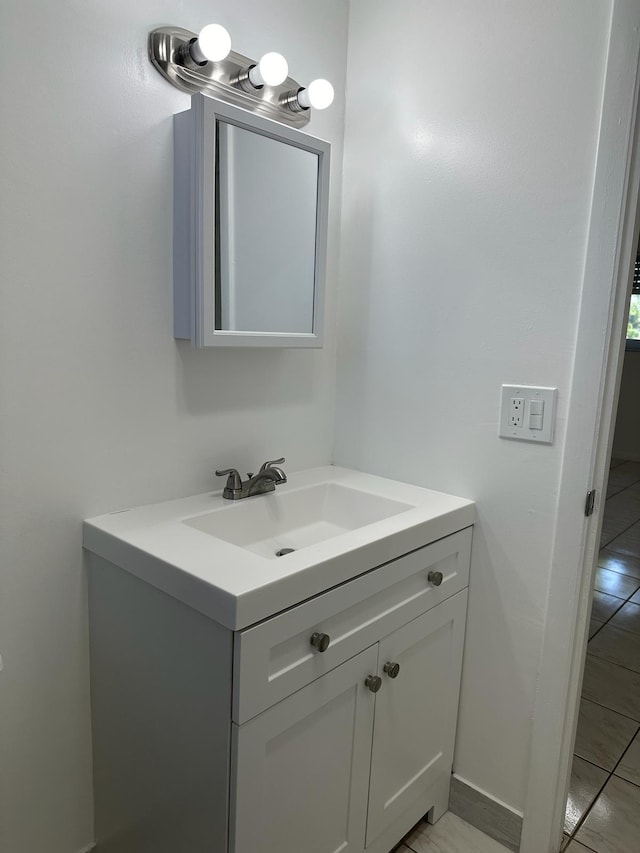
(373, 682)
(320, 642)
(391, 668)
(435, 578)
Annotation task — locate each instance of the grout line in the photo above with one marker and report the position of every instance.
(582, 819)
(604, 625)
(619, 627)
(607, 708)
(592, 763)
(616, 571)
(590, 849)
(628, 781)
(627, 748)
(626, 486)
(618, 492)
(608, 623)
(615, 663)
(595, 633)
(607, 544)
(622, 754)
(609, 595)
(623, 600)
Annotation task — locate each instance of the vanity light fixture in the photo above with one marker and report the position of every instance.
(318, 94)
(204, 62)
(272, 70)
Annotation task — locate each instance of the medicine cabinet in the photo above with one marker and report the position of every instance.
(250, 229)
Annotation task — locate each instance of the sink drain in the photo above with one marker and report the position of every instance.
(284, 551)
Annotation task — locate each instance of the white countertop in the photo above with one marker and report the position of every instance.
(237, 587)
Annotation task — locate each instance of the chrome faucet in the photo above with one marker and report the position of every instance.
(268, 477)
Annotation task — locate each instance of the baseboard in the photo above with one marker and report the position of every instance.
(88, 848)
(486, 813)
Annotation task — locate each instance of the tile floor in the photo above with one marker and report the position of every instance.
(449, 835)
(603, 810)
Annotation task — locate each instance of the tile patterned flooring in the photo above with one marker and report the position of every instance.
(603, 809)
(450, 834)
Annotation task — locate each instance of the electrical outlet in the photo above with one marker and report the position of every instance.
(516, 411)
(527, 413)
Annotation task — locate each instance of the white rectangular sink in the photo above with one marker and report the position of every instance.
(269, 524)
(219, 556)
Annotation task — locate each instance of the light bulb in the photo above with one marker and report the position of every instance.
(212, 45)
(271, 70)
(318, 94)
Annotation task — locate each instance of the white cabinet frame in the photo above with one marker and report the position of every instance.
(194, 263)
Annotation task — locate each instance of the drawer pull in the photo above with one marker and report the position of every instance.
(435, 578)
(373, 682)
(320, 642)
(391, 668)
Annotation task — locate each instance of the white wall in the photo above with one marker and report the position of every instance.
(100, 408)
(469, 159)
(626, 441)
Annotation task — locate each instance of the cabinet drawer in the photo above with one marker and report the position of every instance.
(275, 657)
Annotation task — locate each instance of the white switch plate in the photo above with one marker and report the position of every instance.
(524, 432)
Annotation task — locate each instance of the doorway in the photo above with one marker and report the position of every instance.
(591, 404)
(603, 805)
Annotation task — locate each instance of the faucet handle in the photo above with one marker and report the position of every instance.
(266, 465)
(234, 480)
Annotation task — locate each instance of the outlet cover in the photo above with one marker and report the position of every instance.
(537, 421)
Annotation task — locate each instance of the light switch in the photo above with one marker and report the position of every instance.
(527, 413)
(536, 414)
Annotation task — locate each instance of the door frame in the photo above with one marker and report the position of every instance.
(593, 400)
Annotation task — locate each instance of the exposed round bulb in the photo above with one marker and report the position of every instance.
(271, 70)
(318, 94)
(213, 44)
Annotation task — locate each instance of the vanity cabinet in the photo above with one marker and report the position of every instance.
(207, 739)
(336, 766)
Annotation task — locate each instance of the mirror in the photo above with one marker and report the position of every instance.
(249, 229)
(267, 200)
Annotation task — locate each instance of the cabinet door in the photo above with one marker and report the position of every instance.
(416, 712)
(302, 767)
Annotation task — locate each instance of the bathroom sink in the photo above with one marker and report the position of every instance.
(219, 556)
(269, 525)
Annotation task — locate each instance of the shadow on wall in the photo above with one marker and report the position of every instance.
(507, 599)
(354, 311)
